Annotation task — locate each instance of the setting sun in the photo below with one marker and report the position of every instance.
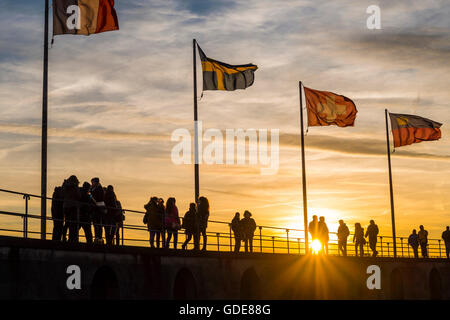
(316, 246)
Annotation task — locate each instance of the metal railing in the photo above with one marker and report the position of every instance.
(267, 239)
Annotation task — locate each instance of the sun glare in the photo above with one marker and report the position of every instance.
(316, 246)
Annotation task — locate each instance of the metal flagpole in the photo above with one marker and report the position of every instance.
(196, 167)
(305, 201)
(44, 128)
(390, 184)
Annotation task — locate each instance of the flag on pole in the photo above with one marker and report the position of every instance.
(84, 17)
(222, 76)
(327, 108)
(408, 129)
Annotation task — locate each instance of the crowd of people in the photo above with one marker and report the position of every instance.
(75, 208)
(161, 219)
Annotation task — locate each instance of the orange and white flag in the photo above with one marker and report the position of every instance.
(327, 108)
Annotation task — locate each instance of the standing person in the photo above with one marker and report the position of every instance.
(372, 232)
(323, 235)
(342, 234)
(203, 214)
(111, 213)
(190, 225)
(358, 239)
(423, 241)
(248, 227)
(120, 219)
(72, 197)
(153, 219)
(99, 211)
(413, 241)
(162, 213)
(57, 213)
(237, 230)
(172, 222)
(313, 228)
(85, 211)
(446, 238)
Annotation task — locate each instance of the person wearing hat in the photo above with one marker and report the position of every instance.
(248, 227)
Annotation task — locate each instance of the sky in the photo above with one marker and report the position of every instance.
(115, 98)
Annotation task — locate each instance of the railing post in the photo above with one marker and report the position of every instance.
(388, 249)
(231, 241)
(401, 243)
(287, 238)
(260, 239)
(298, 241)
(381, 243)
(218, 241)
(273, 244)
(440, 256)
(122, 234)
(25, 218)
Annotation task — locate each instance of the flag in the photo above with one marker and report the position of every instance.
(221, 76)
(327, 108)
(84, 17)
(408, 129)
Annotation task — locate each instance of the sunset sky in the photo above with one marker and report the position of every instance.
(115, 98)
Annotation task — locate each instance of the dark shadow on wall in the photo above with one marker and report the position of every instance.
(250, 285)
(435, 284)
(105, 285)
(397, 292)
(184, 287)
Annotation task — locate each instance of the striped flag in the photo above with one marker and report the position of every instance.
(222, 76)
(84, 17)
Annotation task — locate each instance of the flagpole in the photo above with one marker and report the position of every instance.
(305, 201)
(390, 183)
(44, 128)
(196, 167)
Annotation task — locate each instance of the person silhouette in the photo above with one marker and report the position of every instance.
(342, 234)
(57, 210)
(423, 241)
(248, 226)
(71, 204)
(413, 241)
(153, 219)
(191, 226)
(237, 230)
(313, 228)
(203, 215)
(85, 211)
(446, 238)
(372, 233)
(323, 235)
(358, 239)
(172, 223)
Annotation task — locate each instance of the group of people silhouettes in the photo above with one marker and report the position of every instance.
(74, 208)
(319, 231)
(244, 230)
(161, 218)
